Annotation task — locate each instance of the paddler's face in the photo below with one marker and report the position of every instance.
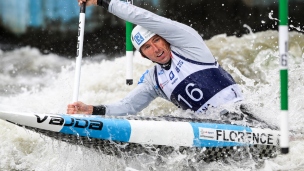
(157, 49)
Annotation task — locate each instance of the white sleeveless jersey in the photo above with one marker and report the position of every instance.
(195, 85)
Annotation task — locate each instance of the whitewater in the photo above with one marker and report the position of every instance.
(43, 83)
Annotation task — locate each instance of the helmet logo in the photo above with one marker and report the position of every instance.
(138, 38)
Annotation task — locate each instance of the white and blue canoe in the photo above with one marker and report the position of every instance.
(212, 140)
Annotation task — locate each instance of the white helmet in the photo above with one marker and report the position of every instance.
(140, 36)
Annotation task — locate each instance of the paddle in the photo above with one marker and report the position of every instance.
(79, 51)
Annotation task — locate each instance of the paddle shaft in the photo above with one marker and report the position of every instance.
(79, 52)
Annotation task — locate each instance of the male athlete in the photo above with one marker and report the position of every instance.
(186, 73)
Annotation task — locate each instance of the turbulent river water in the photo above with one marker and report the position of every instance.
(38, 83)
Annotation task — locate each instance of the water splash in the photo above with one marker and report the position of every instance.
(252, 60)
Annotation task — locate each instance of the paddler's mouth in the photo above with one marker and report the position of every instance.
(161, 54)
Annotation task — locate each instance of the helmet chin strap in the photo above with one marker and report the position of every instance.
(167, 65)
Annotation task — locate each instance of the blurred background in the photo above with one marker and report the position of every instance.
(51, 25)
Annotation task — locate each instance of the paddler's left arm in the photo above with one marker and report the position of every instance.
(183, 39)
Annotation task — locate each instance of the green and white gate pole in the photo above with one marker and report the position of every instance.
(283, 48)
(129, 51)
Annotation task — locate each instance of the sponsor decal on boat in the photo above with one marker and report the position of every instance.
(76, 123)
(236, 136)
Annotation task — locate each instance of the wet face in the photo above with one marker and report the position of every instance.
(157, 49)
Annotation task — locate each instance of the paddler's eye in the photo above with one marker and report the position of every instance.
(147, 47)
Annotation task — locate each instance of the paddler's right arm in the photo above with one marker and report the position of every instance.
(138, 99)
